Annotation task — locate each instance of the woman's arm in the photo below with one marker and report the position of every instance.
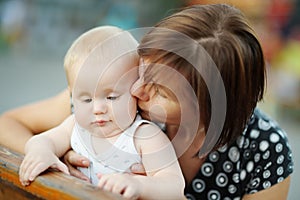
(20, 124)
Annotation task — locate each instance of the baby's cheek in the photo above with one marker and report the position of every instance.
(82, 117)
(125, 112)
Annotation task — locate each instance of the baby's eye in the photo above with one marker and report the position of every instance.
(87, 100)
(112, 97)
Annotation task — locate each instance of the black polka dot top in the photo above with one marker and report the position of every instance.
(260, 158)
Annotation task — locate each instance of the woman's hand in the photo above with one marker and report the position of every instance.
(73, 160)
(138, 169)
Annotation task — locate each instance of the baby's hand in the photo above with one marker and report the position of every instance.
(35, 163)
(124, 184)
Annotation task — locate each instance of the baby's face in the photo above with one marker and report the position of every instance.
(102, 100)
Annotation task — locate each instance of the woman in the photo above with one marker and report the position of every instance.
(251, 159)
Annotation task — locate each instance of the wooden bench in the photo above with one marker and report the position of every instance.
(49, 185)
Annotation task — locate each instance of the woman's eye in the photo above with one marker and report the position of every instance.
(160, 93)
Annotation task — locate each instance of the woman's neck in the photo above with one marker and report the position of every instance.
(185, 137)
(187, 146)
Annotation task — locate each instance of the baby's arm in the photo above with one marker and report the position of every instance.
(164, 178)
(43, 151)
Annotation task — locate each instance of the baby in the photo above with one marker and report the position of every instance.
(101, 66)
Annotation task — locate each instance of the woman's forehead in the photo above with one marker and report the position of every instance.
(163, 75)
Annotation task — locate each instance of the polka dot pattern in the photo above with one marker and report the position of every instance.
(260, 158)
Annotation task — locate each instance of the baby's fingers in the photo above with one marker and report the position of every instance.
(36, 170)
(130, 193)
(61, 167)
(24, 172)
(24, 181)
(103, 180)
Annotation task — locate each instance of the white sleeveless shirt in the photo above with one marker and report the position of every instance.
(118, 158)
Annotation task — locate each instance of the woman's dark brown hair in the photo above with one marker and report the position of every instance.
(226, 36)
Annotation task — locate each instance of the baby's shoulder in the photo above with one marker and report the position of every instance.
(148, 130)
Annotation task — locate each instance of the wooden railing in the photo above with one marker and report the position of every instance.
(50, 185)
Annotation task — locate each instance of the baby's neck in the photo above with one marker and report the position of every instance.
(101, 144)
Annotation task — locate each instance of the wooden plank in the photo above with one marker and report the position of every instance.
(49, 185)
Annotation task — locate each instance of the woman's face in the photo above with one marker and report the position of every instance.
(163, 98)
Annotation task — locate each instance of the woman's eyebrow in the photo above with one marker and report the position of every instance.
(168, 91)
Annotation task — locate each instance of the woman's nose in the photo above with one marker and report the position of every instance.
(99, 107)
(138, 90)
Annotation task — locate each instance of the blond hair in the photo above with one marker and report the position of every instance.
(83, 46)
